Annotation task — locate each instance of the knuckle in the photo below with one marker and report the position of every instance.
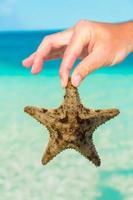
(66, 53)
(75, 55)
(48, 40)
(85, 71)
(83, 23)
(71, 54)
(64, 70)
(118, 57)
(39, 55)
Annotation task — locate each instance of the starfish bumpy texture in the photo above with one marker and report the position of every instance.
(71, 125)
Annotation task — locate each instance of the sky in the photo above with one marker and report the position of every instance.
(58, 14)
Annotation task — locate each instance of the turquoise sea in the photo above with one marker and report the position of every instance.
(23, 140)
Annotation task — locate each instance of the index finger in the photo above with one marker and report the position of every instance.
(50, 42)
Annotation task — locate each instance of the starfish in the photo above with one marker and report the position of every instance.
(71, 125)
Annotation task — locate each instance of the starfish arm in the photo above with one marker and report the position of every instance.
(51, 151)
(94, 118)
(42, 115)
(102, 116)
(71, 96)
(88, 151)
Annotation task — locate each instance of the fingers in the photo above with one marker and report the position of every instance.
(41, 53)
(72, 52)
(92, 62)
(29, 61)
(50, 42)
(37, 65)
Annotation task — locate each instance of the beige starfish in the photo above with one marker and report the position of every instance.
(71, 125)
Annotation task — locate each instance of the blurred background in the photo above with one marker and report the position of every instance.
(23, 24)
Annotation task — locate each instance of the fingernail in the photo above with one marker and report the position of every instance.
(64, 81)
(76, 80)
(34, 71)
(23, 61)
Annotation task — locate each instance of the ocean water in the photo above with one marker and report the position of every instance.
(23, 140)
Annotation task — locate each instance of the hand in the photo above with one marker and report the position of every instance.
(96, 44)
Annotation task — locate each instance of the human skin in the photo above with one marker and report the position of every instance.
(96, 44)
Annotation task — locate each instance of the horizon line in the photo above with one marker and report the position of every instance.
(33, 30)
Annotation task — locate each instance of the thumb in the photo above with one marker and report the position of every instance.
(92, 62)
